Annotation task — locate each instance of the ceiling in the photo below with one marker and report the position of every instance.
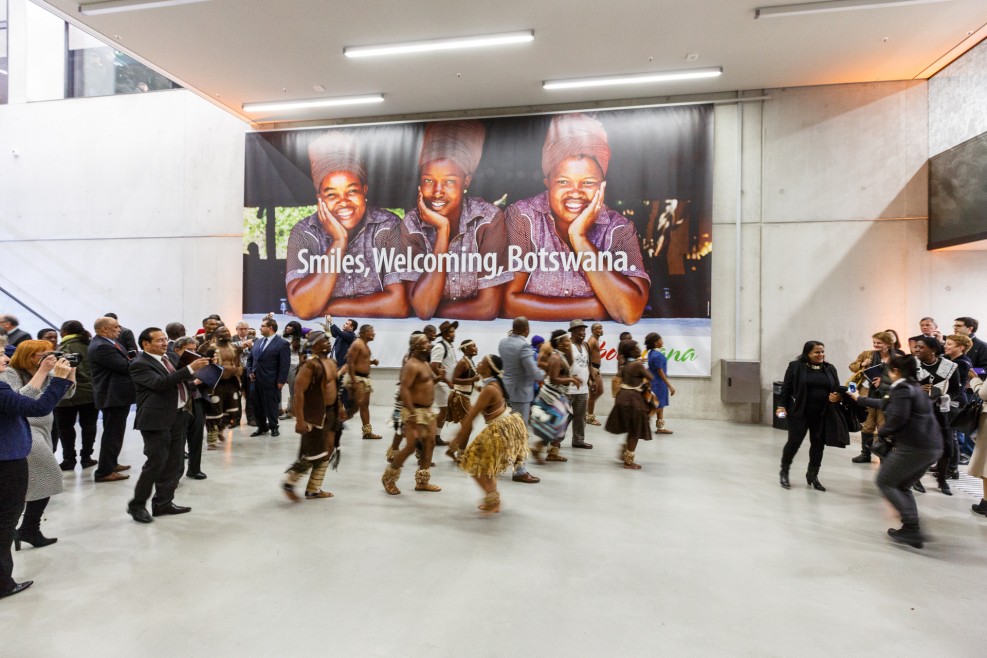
(239, 51)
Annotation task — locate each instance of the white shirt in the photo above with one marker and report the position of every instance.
(580, 368)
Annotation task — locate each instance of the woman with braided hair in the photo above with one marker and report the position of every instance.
(502, 444)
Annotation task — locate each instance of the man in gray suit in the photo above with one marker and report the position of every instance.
(520, 374)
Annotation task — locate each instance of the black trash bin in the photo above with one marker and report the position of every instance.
(777, 423)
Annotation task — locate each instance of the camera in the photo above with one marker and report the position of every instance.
(72, 358)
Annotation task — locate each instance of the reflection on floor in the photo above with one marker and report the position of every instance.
(699, 553)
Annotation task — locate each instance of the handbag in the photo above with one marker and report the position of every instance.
(882, 446)
(965, 420)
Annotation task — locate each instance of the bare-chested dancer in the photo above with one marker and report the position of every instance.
(358, 362)
(417, 395)
(595, 378)
(318, 412)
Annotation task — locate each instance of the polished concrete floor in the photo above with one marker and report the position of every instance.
(700, 553)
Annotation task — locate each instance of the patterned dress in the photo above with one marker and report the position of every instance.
(44, 474)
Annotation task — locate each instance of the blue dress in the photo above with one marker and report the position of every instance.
(657, 362)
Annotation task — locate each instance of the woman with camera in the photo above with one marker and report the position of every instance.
(909, 423)
(30, 374)
(15, 445)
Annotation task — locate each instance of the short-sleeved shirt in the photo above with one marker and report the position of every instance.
(530, 226)
(444, 353)
(482, 230)
(378, 230)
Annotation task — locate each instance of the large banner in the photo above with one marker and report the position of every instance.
(604, 217)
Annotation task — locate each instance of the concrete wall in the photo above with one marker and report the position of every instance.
(131, 204)
(957, 101)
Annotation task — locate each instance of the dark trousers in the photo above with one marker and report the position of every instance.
(13, 489)
(111, 443)
(950, 450)
(267, 397)
(899, 470)
(163, 468)
(33, 511)
(247, 398)
(797, 428)
(193, 433)
(88, 416)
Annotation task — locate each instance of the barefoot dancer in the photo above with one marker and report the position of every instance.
(502, 444)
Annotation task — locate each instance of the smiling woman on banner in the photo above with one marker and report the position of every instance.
(448, 221)
(331, 265)
(570, 219)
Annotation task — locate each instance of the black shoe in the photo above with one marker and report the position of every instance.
(783, 479)
(440, 442)
(35, 539)
(88, 463)
(196, 476)
(944, 487)
(862, 458)
(953, 474)
(981, 507)
(918, 486)
(812, 479)
(583, 444)
(275, 433)
(252, 423)
(67, 465)
(17, 589)
(907, 535)
(139, 513)
(258, 432)
(169, 508)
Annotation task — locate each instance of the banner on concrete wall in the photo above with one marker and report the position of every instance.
(602, 216)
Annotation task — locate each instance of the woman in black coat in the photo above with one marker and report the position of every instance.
(909, 420)
(810, 385)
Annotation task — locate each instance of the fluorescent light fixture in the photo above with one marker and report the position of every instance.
(116, 6)
(278, 106)
(456, 43)
(634, 78)
(833, 5)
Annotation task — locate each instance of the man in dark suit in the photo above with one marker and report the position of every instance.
(162, 403)
(977, 354)
(126, 338)
(343, 339)
(15, 335)
(268, 364)
(113, 393)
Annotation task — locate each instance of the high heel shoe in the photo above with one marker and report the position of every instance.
(812, 480)
(35, 539)
(783, 478)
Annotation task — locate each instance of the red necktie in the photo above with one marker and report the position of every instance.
(182, 396)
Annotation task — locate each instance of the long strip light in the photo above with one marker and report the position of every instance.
(116, 6)
(279, 106)
(833, 5)
(430, 45)
(634, 78)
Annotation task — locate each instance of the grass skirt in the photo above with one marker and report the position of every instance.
(501, 444)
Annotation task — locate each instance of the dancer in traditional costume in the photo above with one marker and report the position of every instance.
(502, 444)
(630, 411)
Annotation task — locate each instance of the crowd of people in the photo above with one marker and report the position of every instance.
(191, 391)
(917, 412)
(913, 411)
